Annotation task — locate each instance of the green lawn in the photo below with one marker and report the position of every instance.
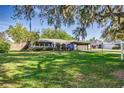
(55, 69)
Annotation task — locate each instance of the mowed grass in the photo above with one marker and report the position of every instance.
(60, 69)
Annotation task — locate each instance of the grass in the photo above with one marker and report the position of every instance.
(55, 69)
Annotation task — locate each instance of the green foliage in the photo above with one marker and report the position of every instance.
(43, 49)
(33, 36)
(93, 39)
(120, 36)
(80, 32)
(24, 11)
(116, 47)
(18, 33)
(107, 16)
(55, 34)
(56, 15)
(113, 17)
(21, 34)
(4, 47)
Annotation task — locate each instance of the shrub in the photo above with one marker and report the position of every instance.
(37, 48)
(4, 47)
(116, 47)
(42, 49)
(49, 48)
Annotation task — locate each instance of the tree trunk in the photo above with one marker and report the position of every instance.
(30, 25)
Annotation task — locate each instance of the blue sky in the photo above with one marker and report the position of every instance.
(6, 13)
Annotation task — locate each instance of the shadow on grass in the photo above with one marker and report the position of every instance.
(53, 69)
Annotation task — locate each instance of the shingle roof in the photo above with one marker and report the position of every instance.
(54, 40)
(61, 41)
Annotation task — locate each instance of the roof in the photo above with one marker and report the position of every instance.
(6, 37)
(80, 43)
(53, 40)
(62, 41)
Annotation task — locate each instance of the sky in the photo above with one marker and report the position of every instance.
(6, 12)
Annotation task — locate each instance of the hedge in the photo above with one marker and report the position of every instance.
(4, 47)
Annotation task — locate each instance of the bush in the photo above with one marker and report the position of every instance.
(42, 48)
(116, 47)
(4, 47)
(49, 48)
(37, 49)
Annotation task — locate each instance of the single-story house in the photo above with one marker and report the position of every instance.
(59, 44)
(51, 44)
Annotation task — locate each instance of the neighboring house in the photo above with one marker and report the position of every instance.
(108, 45)
(6, 37)
(96, 43)
(111, 45)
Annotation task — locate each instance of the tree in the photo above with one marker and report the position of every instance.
(4, 47)
(21, 34)
(25, 11)
(80, 32)
(113, 16)
(57, 15)
(17, 33)
(55, 34)
(109, 17)
(34, 36)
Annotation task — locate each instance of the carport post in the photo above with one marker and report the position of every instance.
(122, 51)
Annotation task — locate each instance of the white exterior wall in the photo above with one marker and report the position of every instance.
(108, 45)
(82, 47)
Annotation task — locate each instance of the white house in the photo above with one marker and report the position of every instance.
(110, 45)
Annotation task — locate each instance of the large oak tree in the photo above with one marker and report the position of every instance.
(109, 17)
